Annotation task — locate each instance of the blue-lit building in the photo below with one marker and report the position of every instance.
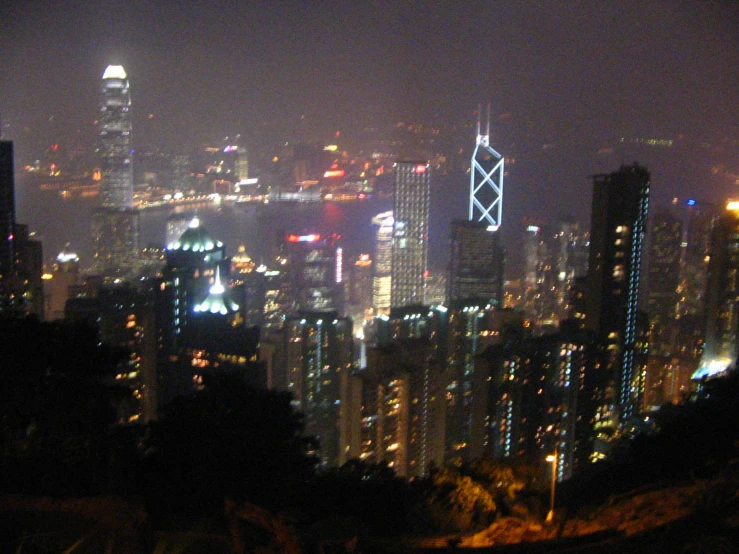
(618, 227)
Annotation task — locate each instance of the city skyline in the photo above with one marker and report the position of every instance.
(578, 87)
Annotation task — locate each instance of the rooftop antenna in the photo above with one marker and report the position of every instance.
(487, 169)
(487, 131)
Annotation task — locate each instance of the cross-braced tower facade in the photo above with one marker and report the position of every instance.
(486, 180)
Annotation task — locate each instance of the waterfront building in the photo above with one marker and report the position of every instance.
(410, 232)
(382, 275)
(115, 226)
(315, 271)
(116, 186)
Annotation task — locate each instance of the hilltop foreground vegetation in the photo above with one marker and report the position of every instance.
(229, 470)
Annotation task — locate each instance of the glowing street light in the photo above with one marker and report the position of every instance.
(552, 459)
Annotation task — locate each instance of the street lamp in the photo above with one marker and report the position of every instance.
(552, 459)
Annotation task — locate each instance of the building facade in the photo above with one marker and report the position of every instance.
(116, 187)
(722, 295)
(476, 266)
(663, 278)
(115, 226)
(618, 227)
(382, 274)
(410, 232)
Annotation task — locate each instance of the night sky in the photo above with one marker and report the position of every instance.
(566, 80)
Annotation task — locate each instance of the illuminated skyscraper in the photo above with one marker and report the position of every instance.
(318, 360)
(382, 277)
(116, 187)
(486, 180)
(722, 291)
(115, 226)
(619, 220)
(315, 269)
(410, 232)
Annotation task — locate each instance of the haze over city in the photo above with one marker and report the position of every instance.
(369, 276)
(567, 82)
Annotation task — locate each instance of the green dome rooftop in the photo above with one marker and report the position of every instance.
(196, 239)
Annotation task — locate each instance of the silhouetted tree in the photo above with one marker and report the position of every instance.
(227, 440)
(55, 409)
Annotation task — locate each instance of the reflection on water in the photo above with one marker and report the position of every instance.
(60, 220)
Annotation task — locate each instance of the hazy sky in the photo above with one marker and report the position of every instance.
(568, 75)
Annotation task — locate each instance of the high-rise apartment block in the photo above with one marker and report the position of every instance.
(544, 393)
(317, 355)
(402, 392)
(410, 232)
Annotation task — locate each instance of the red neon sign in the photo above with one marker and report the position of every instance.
(420, 169)
(334, 173)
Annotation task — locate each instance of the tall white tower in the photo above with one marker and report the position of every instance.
(116, 186)
(486, 180)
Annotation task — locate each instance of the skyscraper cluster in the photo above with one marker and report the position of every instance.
(419, 382)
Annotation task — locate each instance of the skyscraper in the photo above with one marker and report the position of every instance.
(666, 236)
(116, 187)
(722, 291)
(315, 271)
(618, 226)
(487, 169)
(115, 225)
(410, 232)
(382, 276)
(476, 267)
(318, 359)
